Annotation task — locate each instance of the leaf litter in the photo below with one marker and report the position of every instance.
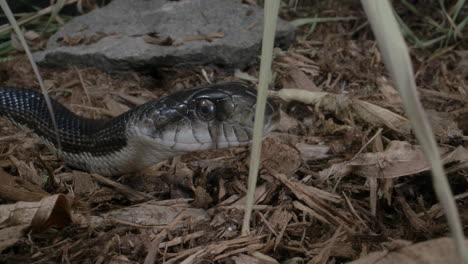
(341, 177)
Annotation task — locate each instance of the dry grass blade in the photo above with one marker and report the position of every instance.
(11, 19)
(5, 29)
(303, 21)
(271, 16)
(397, 60)
(57, 7)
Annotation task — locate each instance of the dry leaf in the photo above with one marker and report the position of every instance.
(342, 106)
(11, 191)
(399, 159)
(444, 126)
(378, 116)
(302, 80)
(10, 235)
(31, 35)
(312, 152)
(83, 183)
(114, 107)
(132, 99)
(261, 192)
(242, 258)
(264, 258)
(148, 214)
(279, 156)
(295, 260)
(390, 93)
(27, 171)
(17, 218)
(288, 123)
(436, 251)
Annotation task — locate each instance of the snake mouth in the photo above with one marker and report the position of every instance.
(201, 136)
(218, 116)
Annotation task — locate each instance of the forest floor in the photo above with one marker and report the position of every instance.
(338, 180)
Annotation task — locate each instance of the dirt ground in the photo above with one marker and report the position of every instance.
(334, 184)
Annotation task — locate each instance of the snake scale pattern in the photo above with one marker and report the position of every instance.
(207, 117)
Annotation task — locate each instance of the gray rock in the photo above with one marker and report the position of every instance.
(119, 35)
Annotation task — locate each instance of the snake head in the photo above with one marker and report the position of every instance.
(214, 116)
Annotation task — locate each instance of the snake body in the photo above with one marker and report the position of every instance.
(211, 116)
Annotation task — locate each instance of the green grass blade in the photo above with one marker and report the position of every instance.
(433, 41)
(312, 28)
(458, 6)
(407, 32)
(415, 11)
(5, 47)
(462, 24)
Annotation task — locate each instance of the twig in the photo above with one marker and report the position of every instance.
(151, 256)
(130, 193)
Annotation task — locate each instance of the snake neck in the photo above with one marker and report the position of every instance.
(81, 139)
(28, 109)
(107, 147)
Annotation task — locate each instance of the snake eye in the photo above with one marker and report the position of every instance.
(206, 110)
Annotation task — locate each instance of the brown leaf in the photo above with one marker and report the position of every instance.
(27, 171)
(312, 152)
(342, 106)
(83, 183)
(390, 93)
(39, 216)
(148, 214)
(279, 156)
(10, 235)
(435, 251)
(302, 80)
(399, 159)
(261, 192)
(202, 197)
(136, 100)
(288, 123)
(444, 126)
(9, 193)
(242, 258)
(114, 107)
(6, 179)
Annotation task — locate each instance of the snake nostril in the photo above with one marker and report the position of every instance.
(182, 109)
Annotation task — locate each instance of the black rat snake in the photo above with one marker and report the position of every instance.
(212, 116)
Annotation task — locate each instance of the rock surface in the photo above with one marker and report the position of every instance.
(144, 34)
